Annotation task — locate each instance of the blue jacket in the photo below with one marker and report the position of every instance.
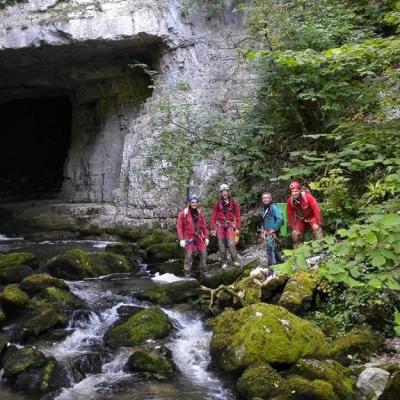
(272, 217)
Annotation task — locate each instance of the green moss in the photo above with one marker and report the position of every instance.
(2, 316)
(47, 374)
(23, 360)
(330, 371)
(163, 251)
(54, 294)
(302, 388)
(273, 286)
(358, 343)
(150, 362)
(223, 277)
(298, 293)
(248, 290)
(15, 274)
(263, 333)
(262, 381)
(151, 323)
(14, 296)
(392, 388)
(78, 264)
(3, 342)
(171, 293)
(42, 322)
(157, 236)
(11, 259)
(37, 282)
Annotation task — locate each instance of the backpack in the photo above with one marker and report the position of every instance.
(271, 212)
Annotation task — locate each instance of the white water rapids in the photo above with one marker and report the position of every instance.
(189, 345)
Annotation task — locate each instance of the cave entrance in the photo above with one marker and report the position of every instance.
(35, 138)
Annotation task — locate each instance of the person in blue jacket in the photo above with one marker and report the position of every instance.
(272, 221)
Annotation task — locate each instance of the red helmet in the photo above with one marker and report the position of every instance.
(294, 185)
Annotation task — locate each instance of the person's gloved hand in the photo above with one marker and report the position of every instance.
(182, 243)
(207, 241)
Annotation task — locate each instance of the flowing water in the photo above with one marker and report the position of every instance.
(106, 299)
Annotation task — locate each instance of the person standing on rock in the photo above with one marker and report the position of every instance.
(272, 220)
(193, 235)
(225, 224)
(303, 211)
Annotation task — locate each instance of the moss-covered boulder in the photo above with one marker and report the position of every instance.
(163, 251)
(35, 283)
(78, 264)
(151, 323)
(22, 360)
(273, 286)
(341, 379)
(156, 236)
(171, 293)
(298, 293)
(171, 267)
(3, 343)
(13, 297)
(151, 362)
(15, 273)
(302, 388)
(223, 277)
(2, 315)
(262, 381)
(43, 320)
(392, 389)
(249, 290)
(129, 250)
(12, 259)
(50, 377)
(359, 343)
(263, 333)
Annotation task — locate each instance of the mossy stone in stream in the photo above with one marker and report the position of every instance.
(262, 381)
(38, 282)
(263, 333)
(151, 323)
(44, 320)
(163, 251)
(12, 259)
(157, 236)
(78, 264)
(223, 277)
(3, 342)
(13, 296)
(149, 361)
(15, 273)
(23, 360)
(171, 293)
(248, 290)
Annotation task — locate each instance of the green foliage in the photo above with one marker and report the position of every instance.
(397, 322)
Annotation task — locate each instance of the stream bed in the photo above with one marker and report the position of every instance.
(105, 300)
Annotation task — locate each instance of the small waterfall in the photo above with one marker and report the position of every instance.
(191, 354)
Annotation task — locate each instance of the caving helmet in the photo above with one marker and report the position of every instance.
(294, 185)
(224, 186)
(193, 196)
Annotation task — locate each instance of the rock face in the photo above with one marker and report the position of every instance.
(80, 51)
(263, 333)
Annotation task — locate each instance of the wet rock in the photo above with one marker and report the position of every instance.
(392, 389)
(3, 343)
(15, 273)
(35, 283)
(89, 363)
(13, 297)
(171, 293)
(172, 267)
(358, 343)
(157, 236)
(249, 290)
(263, 333)
(163, 251)
(372, 381)
(298, 293)
(339, 377)
(150, 361)
(273, 286)
(2, 315)
(42, 321)
(151, 323)
(13, 259)
(262, 381)
(23, 360)
(77, 264)
(302, 388)
(222, 277)
(52, 376)
(129, 250)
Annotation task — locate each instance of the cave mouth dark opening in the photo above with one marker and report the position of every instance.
(35, 138)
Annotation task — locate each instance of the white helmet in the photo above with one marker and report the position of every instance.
(224, 186)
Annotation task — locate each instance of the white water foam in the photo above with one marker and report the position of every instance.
(191, 354)
(4, 238)
(166, 278)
